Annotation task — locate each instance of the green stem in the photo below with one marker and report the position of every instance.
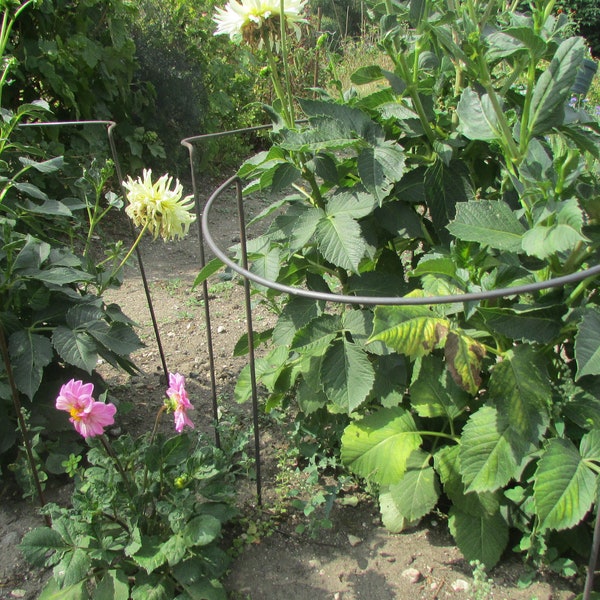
(286, 66)
(127, 256)
(287, 117)
(440, 434)
(118, 464)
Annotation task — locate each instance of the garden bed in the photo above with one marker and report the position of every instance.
(355, 558)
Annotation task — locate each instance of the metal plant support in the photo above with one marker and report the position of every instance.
(204, 235)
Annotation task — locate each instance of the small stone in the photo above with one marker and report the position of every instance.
(460, 585)
(337, 596)
(220, 329)
(18, 593)
(353, 540)
(413, 575)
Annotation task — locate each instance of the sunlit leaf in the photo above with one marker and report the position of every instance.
(564, 486)
(378, 446)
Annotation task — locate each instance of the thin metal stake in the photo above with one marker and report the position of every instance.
(139, 257)
(252, 363)
(207, 319)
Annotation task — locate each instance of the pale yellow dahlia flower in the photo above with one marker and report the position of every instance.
(158, 207)
(240, 20)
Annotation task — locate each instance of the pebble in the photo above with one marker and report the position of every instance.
(413, 575)
(220, 329)
(460, 585)
(18, 593)
(353, 540)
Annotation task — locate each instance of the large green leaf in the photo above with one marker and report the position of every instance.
(446, 186)
(378, 446)
(411, 330)
(52, 591)
(490, 451)
(520, 387)
(416, 494)
(317, 334)
(113, 586)
(379, 167)
(587, 345)
(477, 119)
(447, 465)
(552, 90)
(562, 235)
(40, 544)
(434, 393)
(29, 354)
(481, 538)
(347, 375)
(564, 486)
(75, 347)
(201, 530)
(298, 225)
(340, 240)
(295, 314)
(525, 323)
(267, 368)
(73, 567)
(489, 222)
(502, 44)
(464, 356)
(353, 203)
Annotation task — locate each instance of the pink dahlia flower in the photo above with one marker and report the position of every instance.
(88, 416)
(179, 402)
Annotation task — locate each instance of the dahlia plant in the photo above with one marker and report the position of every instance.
(147, 513)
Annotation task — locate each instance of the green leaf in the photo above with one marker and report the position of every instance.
(378, 446)
(317, 334)
(73, 567)
(340, 240)
(590, 446)
(564, 486)
(447, 465)
(379, 167)
(477, 118)
(296, 313)
(267, 368)
(551, 92)
(434, 394)
(520, 387)
(489, 222)
(75, 347)
(39, 542)
(524, 323)
(347, 375)
(502, 44)
(52, 591)
(150, 556)
(490, 451)
(367, 74)
(173, 549)
(207, 271)
(285, 174)
(46, 166)
(113, 586)
(119, 338)
(563, 235)
(464, 356)
(354, 204)
(201, 530)
(416, 494)
(481, 538)
(410, 330)
(446, 186)
(29, 354)
(587, 345)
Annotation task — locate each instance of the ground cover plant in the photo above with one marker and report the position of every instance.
(466, 170)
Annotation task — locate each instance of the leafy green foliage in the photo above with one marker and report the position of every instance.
(466, 170)
(144, 525)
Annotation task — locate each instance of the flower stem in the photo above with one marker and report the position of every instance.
(287, 117)
(113, 455)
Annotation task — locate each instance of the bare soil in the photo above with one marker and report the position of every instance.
(355, 559)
